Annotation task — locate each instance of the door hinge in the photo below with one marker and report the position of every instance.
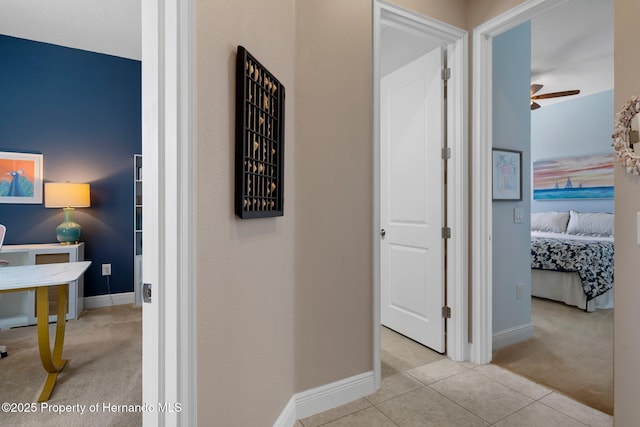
(446, 232)
(446, 312)
(146, 292)
(446, 73)
(446, 153)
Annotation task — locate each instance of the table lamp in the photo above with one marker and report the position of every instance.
(67, 195)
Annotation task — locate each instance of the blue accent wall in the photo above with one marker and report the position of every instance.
(512, 130)
(82, 111)
(578, 127)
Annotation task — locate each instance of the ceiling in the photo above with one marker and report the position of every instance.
(572, 45)
(112, 27)
(572, 48)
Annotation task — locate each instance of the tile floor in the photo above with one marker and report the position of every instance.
(423, 388)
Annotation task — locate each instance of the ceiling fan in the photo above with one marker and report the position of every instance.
(536, 88)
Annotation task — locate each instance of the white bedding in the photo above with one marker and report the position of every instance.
(547, 234)
(567, 288)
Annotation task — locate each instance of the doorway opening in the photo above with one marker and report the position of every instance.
(568, 141)
(392, 24)
(482, 131)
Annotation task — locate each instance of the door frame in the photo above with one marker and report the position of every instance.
(457, 189)
(481, 204)
(169, 263)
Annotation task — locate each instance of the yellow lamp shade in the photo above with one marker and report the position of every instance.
(66, 194)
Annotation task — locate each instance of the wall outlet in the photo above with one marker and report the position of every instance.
(106, 269)
(519, 290)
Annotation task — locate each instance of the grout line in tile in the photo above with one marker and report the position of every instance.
(438, 380)
(567, 415)
(457, 404)
(387, 416)
(356, 412)
(514, 412)
(398, 395)
(497, 382)
(550, 390)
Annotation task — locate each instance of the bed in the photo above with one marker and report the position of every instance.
(572, 257)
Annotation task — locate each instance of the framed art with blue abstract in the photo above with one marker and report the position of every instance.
(581, 177)
(20, 178)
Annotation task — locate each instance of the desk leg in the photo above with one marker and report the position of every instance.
(53, 364)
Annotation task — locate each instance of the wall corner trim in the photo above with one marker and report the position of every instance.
(512, 335)
(287, 417)
(328, 396)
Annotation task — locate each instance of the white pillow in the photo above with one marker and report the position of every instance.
(590, 224)
(555, 222)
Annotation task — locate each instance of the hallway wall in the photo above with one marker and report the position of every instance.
(246, 285)
(627, 204)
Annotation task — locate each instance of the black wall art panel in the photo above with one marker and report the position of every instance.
(259, 139)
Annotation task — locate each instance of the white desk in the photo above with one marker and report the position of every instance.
(40, 278)
(18, 308)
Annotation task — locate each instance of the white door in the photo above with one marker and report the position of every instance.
(411, 199)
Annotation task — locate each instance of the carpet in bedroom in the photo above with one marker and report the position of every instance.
(571, 352)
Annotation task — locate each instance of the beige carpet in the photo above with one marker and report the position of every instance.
(104, 348)
(571, 352)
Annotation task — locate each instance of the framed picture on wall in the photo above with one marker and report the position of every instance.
(20, 177)
(570, 178)
(507, 174)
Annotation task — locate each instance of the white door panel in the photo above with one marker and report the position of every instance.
(411, 139)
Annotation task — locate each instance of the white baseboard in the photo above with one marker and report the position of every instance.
(287, 417)
(109, 300)
(319, 399)
(338, 393)
(512, 336)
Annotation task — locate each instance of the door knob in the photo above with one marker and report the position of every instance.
(382, 232)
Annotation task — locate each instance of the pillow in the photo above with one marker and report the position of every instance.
(555, 222)
(590, 224)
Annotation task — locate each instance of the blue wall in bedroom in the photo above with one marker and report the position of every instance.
(512, 130)
(577, 127)
(82, 111)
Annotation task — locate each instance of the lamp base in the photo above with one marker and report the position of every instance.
(69, 231)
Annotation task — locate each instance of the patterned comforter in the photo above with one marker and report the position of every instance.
(592, 260)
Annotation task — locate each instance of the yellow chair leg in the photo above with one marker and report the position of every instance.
(52, 363)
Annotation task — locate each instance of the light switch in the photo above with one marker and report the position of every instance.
(518, 214)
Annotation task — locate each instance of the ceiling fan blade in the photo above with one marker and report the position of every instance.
(556, 94)
(535, 88)
(534, 105)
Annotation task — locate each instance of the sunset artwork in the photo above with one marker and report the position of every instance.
(585, 177)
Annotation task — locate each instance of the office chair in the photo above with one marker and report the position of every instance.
(3, 230)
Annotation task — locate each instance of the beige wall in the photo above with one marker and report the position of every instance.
(627, 203)
(333, 165)
(480, 11)
(453, 12)
(246, 285)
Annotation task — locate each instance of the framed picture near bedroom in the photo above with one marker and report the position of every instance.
(507, 174)
(580, 177)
